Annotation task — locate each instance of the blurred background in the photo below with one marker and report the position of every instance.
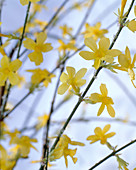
(119, 86)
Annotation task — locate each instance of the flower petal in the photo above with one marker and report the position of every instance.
(41, 37)
(123, 61)
(36, 57)
(80, 73)
(95, 97)
(87, 55)
(4, 61)
(106, 128)
(110, 110)
(104, 44)
(15, 65)
(63, 77)
(101, 109)
(90, 42)
(134, 60)
(13, 78)
(63, 88)
(114, 52)
(71, 71)
(109, 135)
(97, 63)
(29, 44)
(80, 82)
(103, 90)
(47, 47)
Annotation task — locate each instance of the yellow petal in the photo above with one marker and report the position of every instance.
(109, 135)
(70, 71)
(36, 57)
(103, 90)
(134, 60)
(104, 44)
(87, 55)
(110, 110)
(98, 131)
(132, 25)
(90, 42)
(77, 143)
(97, 63)
(123, 61)
(24, 2)
(80, 82)
(106, 128)
(135, 10)
(63, 77)
(101, 109)
(95, 97)
(29, 44)
(15, 65)
(80, 73)
(63, 88)
(47, 47)
(41, 38)
(114, 52)
(4, 61)
(127, 52)
(109, 58)
(13, 78)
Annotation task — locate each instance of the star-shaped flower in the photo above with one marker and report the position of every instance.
(39, 46)
(104, 99)
(100, 135)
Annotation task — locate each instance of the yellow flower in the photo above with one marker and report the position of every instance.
(94, 31)
(8, 70)
(39, 75)
(38, 7)
(39, 46)
(99, 54)
(6, 160)
(101, 135)
(42, 24)
(72, 79)
(3, 46)
(25, 2)
(42, 120)
(63, 150)
(66, 47)
(127, 64)
(66, 30)
(104, 99)
(24, 145)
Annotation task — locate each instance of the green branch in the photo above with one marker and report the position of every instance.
(112, 154)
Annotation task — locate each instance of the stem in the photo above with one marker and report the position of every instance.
(112, 154)
(22, 37)
(56, 13)
(85, 18)
(2, 118)
(46, 144)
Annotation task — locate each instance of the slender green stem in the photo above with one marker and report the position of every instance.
(112, 154)
(56, 13)
(85, 18)
(22, 37)
(7, 114)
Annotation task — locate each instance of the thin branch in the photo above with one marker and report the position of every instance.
(85, 18)
(46, 143)
(22, 37)
(112, 154)
(56, 13)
